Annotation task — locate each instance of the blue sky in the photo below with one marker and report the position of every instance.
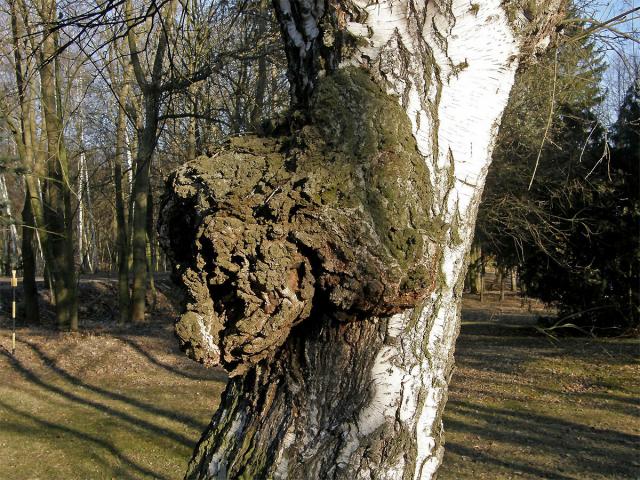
(622, 55)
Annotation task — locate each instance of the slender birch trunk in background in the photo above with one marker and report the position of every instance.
(11, 235)
(327, 276)
(86, 228)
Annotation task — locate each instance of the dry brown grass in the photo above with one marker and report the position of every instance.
(124, 403)
(523, 405)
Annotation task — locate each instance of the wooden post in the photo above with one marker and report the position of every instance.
(14, 284)
(482, 272)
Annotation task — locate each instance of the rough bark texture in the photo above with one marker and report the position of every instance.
(324, 270)
(338, 211)
(305, 409)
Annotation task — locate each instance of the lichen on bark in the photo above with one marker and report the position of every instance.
(335, 215)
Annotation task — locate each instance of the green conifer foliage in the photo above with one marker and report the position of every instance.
(572, 230)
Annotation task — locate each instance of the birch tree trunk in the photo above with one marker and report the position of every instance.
(326, 277)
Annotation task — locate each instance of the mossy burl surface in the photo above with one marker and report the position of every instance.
(336, 213)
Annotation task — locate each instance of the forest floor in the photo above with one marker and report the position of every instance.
(123, 402)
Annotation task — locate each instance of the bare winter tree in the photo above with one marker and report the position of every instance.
(323, 262)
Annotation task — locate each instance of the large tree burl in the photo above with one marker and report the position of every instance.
(335, 216)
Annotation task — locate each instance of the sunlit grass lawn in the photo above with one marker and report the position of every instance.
(131, 406)
(523, 405)
(113, 414)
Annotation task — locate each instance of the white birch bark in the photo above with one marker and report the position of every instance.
(86, 227)
(90, 231)
(451, 65)
(455, 107)
(81, 256)
(12, 247)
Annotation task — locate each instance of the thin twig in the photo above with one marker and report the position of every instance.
(549, 120)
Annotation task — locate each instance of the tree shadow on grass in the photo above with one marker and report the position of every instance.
(505, 363)
(51, 364)
(91, 441)
(499, 346)
(216, 375)
(484, 458)
(145, 425)
(584, 449)
(626, 405)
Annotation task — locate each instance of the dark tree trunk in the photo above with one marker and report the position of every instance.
(257, 113)
(57, 205)
(146, 147)
(30, 288)
(151, 248)
(474, 273)
(122, 242)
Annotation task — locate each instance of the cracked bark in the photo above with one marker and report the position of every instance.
(323, 267)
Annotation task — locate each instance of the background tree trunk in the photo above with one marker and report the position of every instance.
(29, 286)
(140, 193)
(474, 272)
(482, 276)
(121, 222)
(146, 144)
(57, 210)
